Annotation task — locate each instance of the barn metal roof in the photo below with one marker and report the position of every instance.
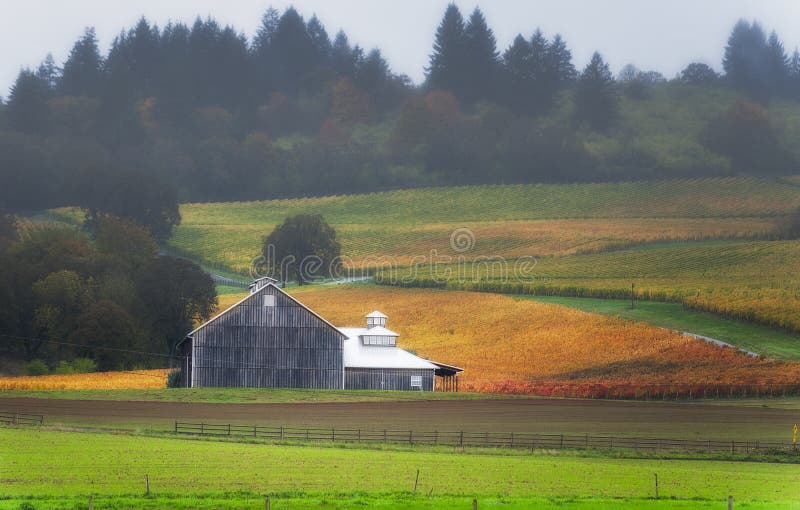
(250, 296)
(358, 355)
(379, 331)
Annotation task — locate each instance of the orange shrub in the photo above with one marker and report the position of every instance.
(139, 379)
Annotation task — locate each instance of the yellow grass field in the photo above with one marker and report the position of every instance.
(518, 346)
(139, 379)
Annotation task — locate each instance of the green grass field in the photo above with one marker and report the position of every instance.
(249, 395)
(508, 220)
(61, 469)
(766, 341)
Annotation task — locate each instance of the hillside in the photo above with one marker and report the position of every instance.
(746, 280)
(520, 346)
(510, 220)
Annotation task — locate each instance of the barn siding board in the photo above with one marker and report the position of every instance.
(386, 379)
(281, 346)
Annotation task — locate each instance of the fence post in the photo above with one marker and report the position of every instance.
(474, 504)
(201, 428)
(410, 437)
(229, 429)
(255, 430)
(266, 503)
(91, 502)
(146, 485)
(730, 502)
(384, 436)
(416, 480)
(176, 426)
(333, 435)
(461, 444)
(359, 435)
(281, 432)
(436, 437)
(561, 444)
(656, 475)
(512, 440)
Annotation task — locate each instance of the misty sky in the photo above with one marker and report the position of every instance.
(659, 35)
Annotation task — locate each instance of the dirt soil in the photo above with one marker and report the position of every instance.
(678, 420)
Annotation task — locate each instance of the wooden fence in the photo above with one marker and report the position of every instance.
(20, 419)
(475, 439)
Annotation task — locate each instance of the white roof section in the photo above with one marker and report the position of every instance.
(358, 355)
(376, 315)
(378, 331)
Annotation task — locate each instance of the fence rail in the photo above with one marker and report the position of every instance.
(475, 439)
(20, 419)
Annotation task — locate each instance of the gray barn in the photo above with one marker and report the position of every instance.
(270, 340)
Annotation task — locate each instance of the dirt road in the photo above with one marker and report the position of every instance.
(691, 420)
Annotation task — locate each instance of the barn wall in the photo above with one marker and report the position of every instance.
(386, 379)
(281, 346)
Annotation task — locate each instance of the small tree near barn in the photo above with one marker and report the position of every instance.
(303, 246)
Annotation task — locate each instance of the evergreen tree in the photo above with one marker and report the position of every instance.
(373, 72)
(27, 103)
(793, 75)
(559, 62)
(320, 40)
(343, 59)
(176, 89)
(293, 53)
(262, 52)
(745, 62)
(83, 70)
(48, 73)
(143, 57)
(448, 60)
(266, 30)
(516, 64)
(540, 86)
(596, 100)
(482, 63)
(777, 65)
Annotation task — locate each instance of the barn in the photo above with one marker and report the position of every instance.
(271, 340)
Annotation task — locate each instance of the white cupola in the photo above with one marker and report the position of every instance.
(376, 319)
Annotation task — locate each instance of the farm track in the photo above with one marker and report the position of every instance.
(694, 420)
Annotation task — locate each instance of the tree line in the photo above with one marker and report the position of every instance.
(108, 297)
(200, 112)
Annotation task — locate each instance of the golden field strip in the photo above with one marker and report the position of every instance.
(513, 346)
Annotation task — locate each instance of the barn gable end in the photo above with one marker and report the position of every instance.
(268, 339)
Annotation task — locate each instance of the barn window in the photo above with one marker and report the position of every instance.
(416, 381)
(269, 300)
(379, 340)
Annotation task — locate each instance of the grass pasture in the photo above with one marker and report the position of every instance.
(60, 469)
